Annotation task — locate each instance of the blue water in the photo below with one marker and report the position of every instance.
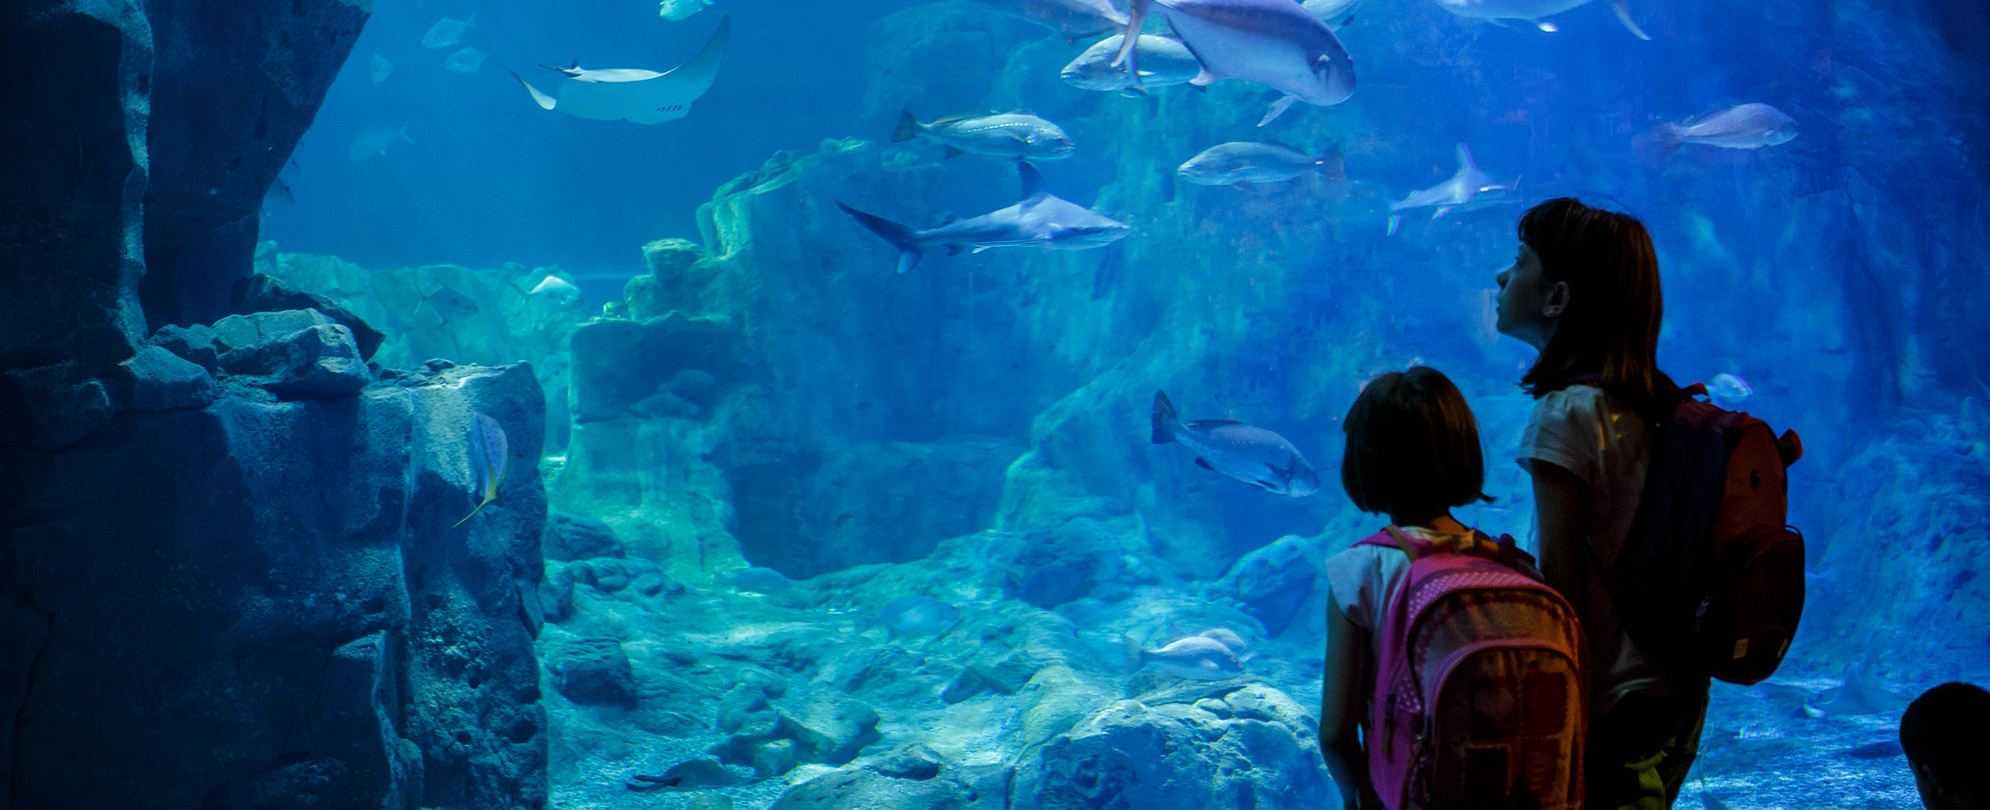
(1837, 274)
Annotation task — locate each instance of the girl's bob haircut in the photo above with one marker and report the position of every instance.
(1412, 447)
(1609, 334)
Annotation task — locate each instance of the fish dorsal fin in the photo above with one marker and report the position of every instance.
(1213, 422)
(1203, 463)
(1033, 185)
(1465, 163)
(962, 116)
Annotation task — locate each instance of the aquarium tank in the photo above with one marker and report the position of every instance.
(891, 405)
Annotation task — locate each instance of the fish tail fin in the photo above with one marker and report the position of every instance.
(1135, 18)
(1465, 162)
(908, 127)
(900, 236)
(1164, 419)
(1623, 9)
(1134, 656)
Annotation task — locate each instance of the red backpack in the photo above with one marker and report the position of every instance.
(1710, 575)
(1480, 693)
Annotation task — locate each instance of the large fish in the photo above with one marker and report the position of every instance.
(1016, 135)
(1246, 162)
(1463, 187)
(1276, 43)
(1249, 454)
(1041, 220)
(1163, 61)
(1533, 11)
(1075, 19)
(1198, 658)
(630, 94)
(1743, 126)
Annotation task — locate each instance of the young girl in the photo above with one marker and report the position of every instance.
(1412, 454)
(1583, 290)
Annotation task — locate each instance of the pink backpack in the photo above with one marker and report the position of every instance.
(1480, 693)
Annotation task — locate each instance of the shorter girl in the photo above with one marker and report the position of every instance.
(1412, 454)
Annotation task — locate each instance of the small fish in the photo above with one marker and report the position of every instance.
(1252, 455)
(915, 616)
(757, 580)
(446, 32)
(1244, 162)
(553, 366)
(1041, 220)
(489, 459)
(1758, 733)
(1883, 749)
(464, 61)
(1863, 692)
(380, 69)
(1728, 389)
(1744, 126)
(697, 774)
(374, 142)
(674, 10)
(449, 305)
(1197, 658)
(1533, 11)
(984, 132)
(559, 288)
(1276, 43)
(1463, 187)
(279, 191)
(1075, 19)
(1163, 61)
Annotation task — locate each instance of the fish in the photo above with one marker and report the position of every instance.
(1197, 658)
(1041, 220)
(1163, 61)
(634, 95)
(696, 774)
(1758, 733)
(1075, 19)
(1463, 187)
(374, 142)
(1276, 43)
(380, 68)
(1228, 638)
(1743, 126)
(675, 10)
(1863, 692)
(757, 579)
(1246, 162)
(1883, 749)
(1249, 454)
(1728, 389)
(1533, 11)
(1017, 135)
(489, 459)
(449, 305)
(464, 61)
(915, 616)
(555, 287)
(552, 366)
(446, 32)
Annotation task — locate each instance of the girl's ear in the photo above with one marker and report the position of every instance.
(1558, 300)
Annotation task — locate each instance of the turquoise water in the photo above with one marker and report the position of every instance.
(975, 430)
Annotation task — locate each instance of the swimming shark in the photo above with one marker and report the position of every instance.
(1460, 190)
(1533, 11)
(1041, 220)
(630, 94)
(1276, 43)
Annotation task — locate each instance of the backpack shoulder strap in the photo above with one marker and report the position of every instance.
(1392, 537)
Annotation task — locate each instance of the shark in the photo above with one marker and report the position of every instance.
(1459, 191)
(1040, 220)
(635, 95)
(1276, 43)
(1533, 11)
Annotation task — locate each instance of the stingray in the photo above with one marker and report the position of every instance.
(630, 94)
(696, 774)
(1862, 693)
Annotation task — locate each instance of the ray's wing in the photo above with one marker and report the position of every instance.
(663, 97)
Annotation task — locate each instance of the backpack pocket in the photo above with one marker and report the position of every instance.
(1743, 626)
(1506, 731)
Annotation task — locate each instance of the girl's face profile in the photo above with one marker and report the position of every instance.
(1526, 311)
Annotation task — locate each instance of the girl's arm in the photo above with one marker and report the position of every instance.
(1340, 707)
(1561, 502)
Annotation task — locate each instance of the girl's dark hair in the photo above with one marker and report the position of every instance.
(1610, 330)
(1412, 447)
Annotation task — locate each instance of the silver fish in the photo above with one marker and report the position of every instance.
(1533, 11)
(757, 579)
(1163, 61)
(1252, 455)
(449, 305)
(1243, 162)
(374, 142)
(915, 616)
(380, 68)
(1743, 126)
(1075, 19)
(553, 366)
(1042, 220)
(1728, 389)
(1463, 187)
(446, 32)
(556, 287)
(984, 132)
(1272, 42)
(464, 61)
(674, 10)
(1197, 657)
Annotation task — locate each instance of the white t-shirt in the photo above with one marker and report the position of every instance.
(1361, 578)
(1587, 432)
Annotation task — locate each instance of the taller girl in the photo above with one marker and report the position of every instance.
(1583, 290)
